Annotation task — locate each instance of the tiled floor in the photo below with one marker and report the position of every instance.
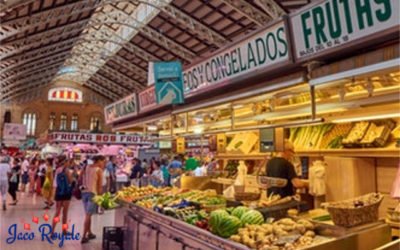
(29, 206)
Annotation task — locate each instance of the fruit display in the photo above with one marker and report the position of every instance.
(283, 234)
(333, 139)
(106, 201)
(223, 224)
(356, 133)
(271, 200)
(309, 137)
(358, 202)
(132, 193)
(376, 135)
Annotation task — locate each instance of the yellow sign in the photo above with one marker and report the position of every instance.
(221, 143)
(180, 145)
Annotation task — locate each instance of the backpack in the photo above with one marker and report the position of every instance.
(64, 188)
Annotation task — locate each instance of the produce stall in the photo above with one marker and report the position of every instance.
(187, 219)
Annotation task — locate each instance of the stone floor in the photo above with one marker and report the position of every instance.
(30, 206)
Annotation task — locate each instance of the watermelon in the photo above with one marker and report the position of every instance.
(228, 226)
(216, 218)
(252, 217)
(239, 211)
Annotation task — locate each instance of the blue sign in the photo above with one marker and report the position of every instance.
(168, 82)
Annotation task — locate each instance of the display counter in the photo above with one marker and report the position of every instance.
(148, 230)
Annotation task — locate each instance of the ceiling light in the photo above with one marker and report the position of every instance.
(198, 130)
(363, 118)
(152, 128)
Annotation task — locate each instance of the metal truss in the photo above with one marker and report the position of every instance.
(248, 10)
(271, 7)
(48, 35)
(122, 62)
(51, 71)
(41, 51)
(118, 75)
(38, 67)
(14, 69)
(116, 86)
(19, 25)
(184, 19)
(104, 91)
(122, 18)
(20, 68)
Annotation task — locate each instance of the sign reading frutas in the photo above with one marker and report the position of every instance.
(121, 109)
(168, 82)
(263, 50)
(147, 99)
(334, 23)
(14, 131)
(98, 138)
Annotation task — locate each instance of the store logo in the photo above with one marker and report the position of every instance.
(44, 231)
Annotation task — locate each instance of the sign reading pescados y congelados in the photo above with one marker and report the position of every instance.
(121, 109)
(334, 23)
(263, 50)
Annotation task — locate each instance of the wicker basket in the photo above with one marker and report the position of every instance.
(210, 208)
(350, 217)
(247, 196)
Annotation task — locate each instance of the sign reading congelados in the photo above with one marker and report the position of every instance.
(263, 50)
(338, 22)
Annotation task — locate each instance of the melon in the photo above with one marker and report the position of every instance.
(239, 211)
(228, 226)
(252, 217)
(216, 218)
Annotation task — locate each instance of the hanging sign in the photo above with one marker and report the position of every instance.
(168, 82)
(262, 51)
(14, 132)
(121, 109)
(147, 99)
(97, 138)
(334, 23)
(180, 145)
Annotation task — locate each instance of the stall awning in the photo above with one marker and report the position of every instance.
(383, 60)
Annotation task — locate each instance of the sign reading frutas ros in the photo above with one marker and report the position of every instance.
(98, 138)
(334, 23)
(264, 50)
(124, 108)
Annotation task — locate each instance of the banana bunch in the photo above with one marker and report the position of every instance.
(106, 201)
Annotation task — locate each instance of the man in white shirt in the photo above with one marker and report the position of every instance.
(5, 171)
(24, 174)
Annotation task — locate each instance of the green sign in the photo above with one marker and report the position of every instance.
(168, 82)
(334, 23)
(264, 50)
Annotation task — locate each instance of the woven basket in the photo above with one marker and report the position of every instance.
(247, 196)
(350, 217)
(210, 208)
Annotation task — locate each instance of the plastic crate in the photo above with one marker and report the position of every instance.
(113, 238)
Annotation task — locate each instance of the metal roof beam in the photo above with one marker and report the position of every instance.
(19, 25)
(120, 76)
(64, 30)
(129, 65)
(123, 78)
(49, 72)
(271, 8)
(184, 19)
(106, 92)
(4, 58)
(122, 18)
(32, 63)
(38, 67)
(111, 83)
(248, 10)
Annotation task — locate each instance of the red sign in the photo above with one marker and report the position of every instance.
(147, 99)
(97, 138)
